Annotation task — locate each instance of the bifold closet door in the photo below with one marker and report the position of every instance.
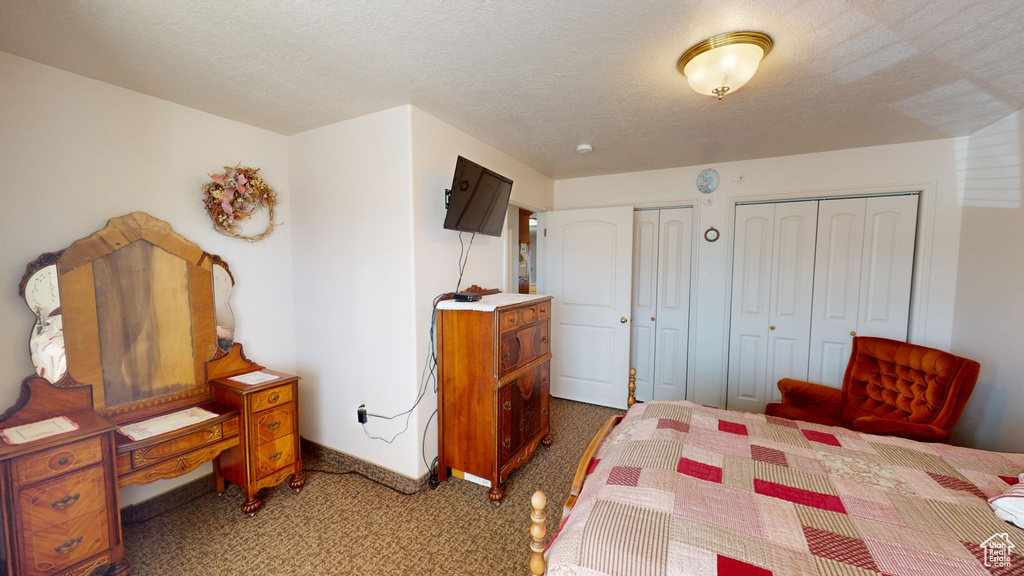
(645, 300)
(675, 239)
(662, 244)
(863, 272)
(789, 331)
(751, 295)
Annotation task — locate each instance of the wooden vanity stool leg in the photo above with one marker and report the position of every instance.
(547, 440)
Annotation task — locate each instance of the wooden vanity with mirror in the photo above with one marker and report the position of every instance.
(137, 379)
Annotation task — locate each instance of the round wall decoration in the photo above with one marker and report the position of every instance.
(234, 196)
(707, 181)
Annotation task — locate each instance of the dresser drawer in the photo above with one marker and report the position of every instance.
(160, 452)
(523, 411)
(54, 549)
(271, 398)
(62, 499)
(55, 461)
(274, 455)
(523, 346)
(273, 424)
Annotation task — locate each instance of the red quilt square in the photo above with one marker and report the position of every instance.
(732, 567)
(699, 470)
(673, 424)
(593, 465)
(956, 484)
(839, 548)
(732, 427)
(769, 455)
(1008, 479)
(822, 437)
(799, 496)
(624, 476)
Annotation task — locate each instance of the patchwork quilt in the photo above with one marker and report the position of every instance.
(679, 488)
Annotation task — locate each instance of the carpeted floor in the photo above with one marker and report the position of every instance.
(350, 525)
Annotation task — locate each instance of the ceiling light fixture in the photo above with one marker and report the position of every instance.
(584, 149)
(724, 63)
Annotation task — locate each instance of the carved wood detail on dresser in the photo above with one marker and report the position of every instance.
(494, 386)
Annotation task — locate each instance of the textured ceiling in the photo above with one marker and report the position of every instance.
(535, 78)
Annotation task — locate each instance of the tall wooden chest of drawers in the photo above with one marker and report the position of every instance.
(494, 385)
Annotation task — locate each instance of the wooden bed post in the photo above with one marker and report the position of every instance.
(537, 532)
(632, 388)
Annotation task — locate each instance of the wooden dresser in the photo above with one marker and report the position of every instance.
(494, 385)
(269, 450)
(60, 502)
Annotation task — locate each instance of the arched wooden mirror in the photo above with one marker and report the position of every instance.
(139, 316)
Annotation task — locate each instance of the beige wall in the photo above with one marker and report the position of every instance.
(928, 166)
(990, 289)
(75, 152)
(354, 306)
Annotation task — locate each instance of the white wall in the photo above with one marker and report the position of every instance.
(990, 288)
(353, 262)
(75, 152)
(928, 166)
(435, 147)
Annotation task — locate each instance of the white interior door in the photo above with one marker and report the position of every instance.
(645, 300)
(789, 334)
(890, 229)
(675, 234)
(751, 296)
(837, 271)
(589, 269)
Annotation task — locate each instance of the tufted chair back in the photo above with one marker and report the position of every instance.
(900, 381)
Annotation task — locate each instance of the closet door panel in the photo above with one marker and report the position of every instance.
(837, 272)
(673, 309)
(890, 229)
(645, 301)
(791, 293)
(751, 295)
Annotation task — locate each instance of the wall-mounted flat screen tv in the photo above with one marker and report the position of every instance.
(479, 199)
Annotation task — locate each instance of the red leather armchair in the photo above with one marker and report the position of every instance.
(890, 388)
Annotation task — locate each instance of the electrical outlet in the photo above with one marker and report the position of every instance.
(361, 413)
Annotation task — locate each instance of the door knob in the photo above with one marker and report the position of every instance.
(652, 318)
(771, 327)
(853, 333)
(623, 320)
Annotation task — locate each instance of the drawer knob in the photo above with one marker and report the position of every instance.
(273, 426)
(507, 405)
(543, 410)
(544, 339)
(273, 397)
(63, 461)
(65, 502)
(274, 457)
(69, 546)
(506, 442)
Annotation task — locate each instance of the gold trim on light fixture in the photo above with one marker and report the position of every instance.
(759, 39)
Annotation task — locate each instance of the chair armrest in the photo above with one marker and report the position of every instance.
(886, 427)
(808, 394)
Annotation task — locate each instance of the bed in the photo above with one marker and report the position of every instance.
(679, 488)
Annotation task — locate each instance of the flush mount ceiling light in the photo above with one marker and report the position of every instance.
(724, 63)
(584, 149)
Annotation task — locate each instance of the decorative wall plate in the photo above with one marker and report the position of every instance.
(707, 181)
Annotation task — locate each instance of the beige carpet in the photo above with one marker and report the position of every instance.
(350, 525)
